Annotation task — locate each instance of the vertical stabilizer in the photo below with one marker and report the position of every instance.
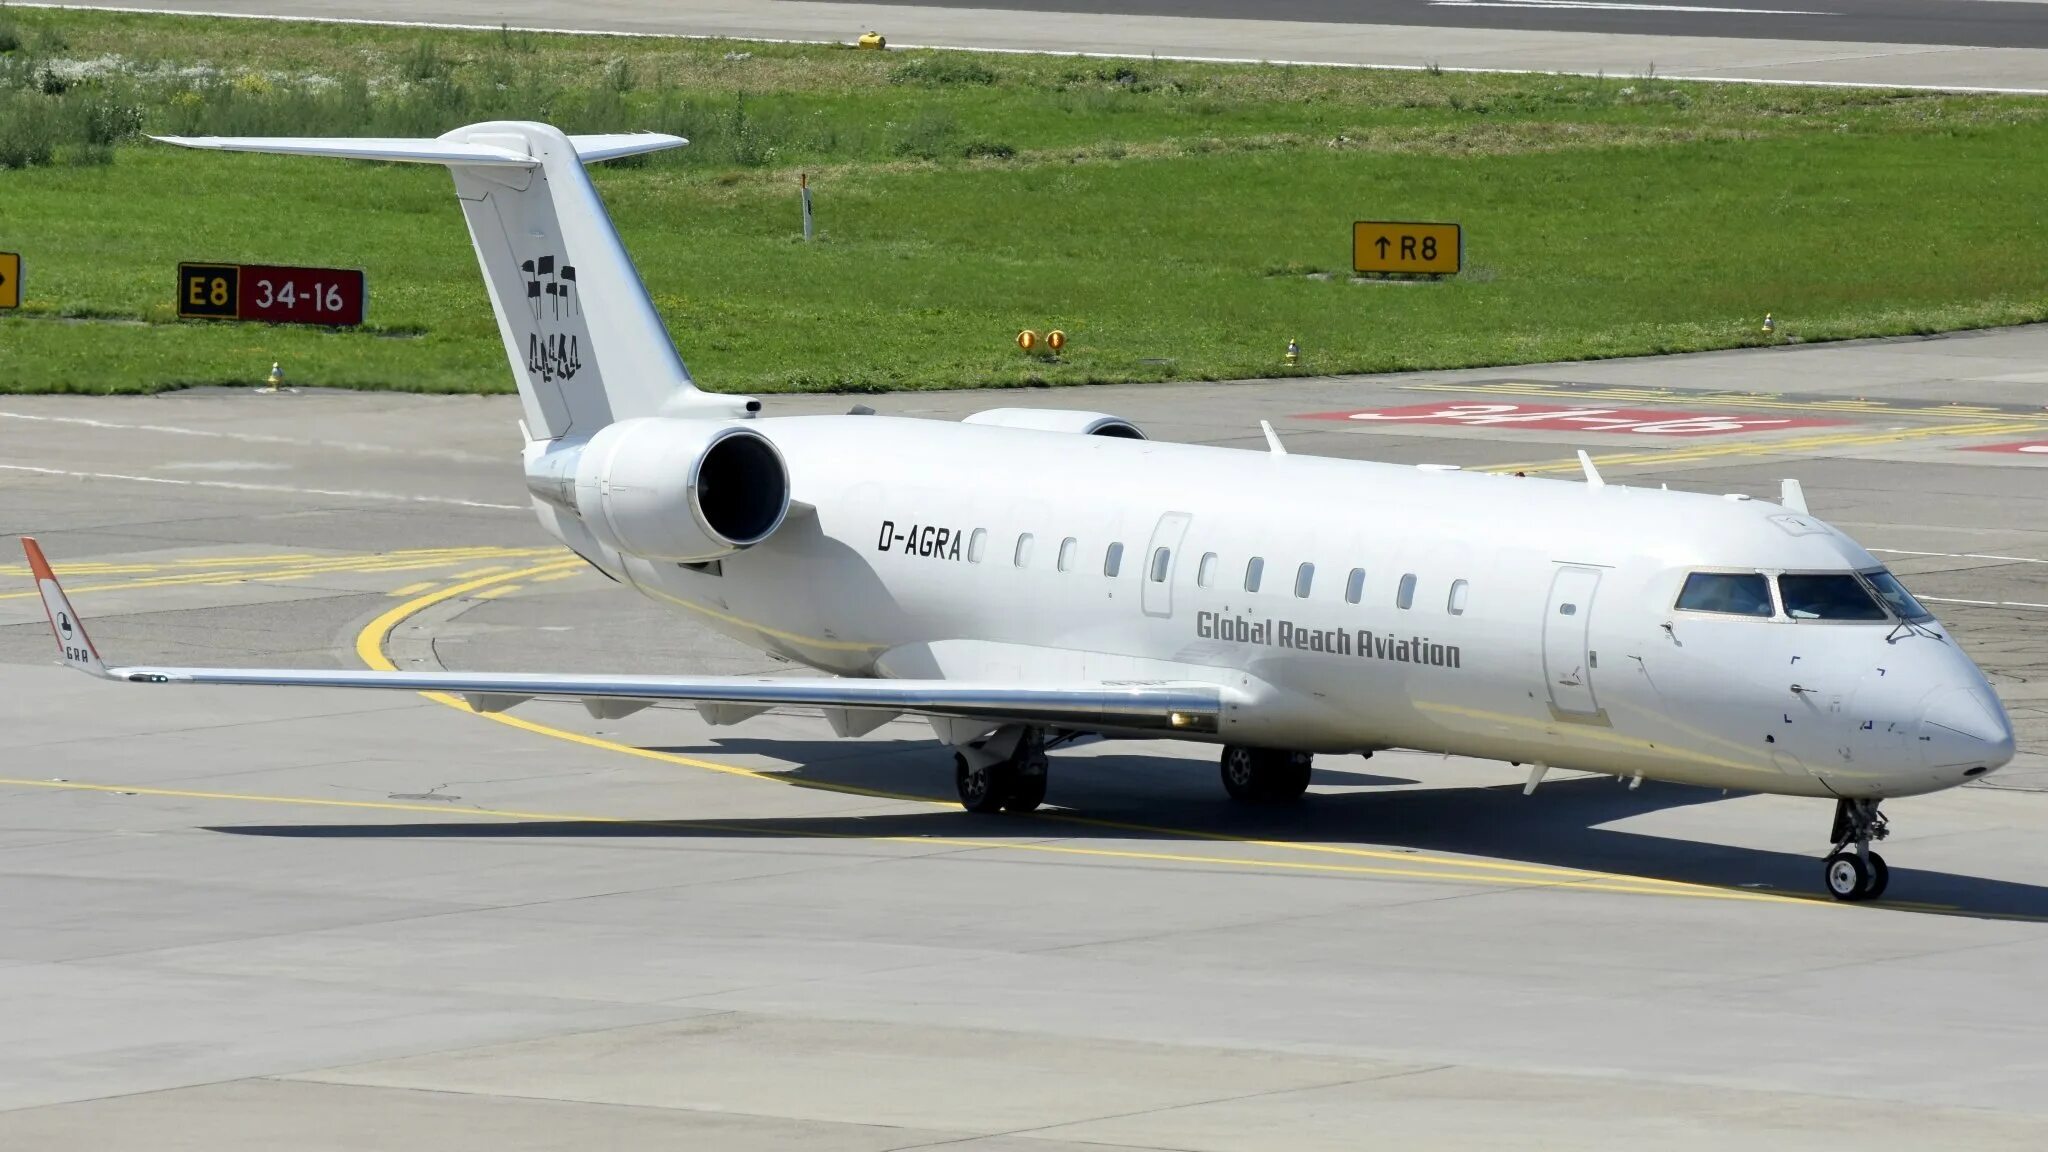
(585, 343)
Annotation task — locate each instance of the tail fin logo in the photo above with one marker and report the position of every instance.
(551, 353)
(64, 624)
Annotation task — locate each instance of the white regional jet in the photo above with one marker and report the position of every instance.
(1025, 577)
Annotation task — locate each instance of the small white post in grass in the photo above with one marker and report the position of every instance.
(803, 185)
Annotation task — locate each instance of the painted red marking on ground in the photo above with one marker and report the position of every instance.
(2030, 447)
(1588, 418)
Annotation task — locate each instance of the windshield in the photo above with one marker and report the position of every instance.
(1735, 593)
(1835, 596)
(1895, 596)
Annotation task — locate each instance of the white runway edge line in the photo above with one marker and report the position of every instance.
(252, 437)
(1598, 74)
(1961, 555)
(232, 485)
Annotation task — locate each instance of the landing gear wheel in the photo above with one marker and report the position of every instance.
(1027, 792)
(1853, 871)
(1847, 877)
(1291, 780)
(1264, 775)
(1241, 775)
(981, 790)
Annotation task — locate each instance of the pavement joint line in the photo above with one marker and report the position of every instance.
(243, 486)
(370, 649)
(364, 563)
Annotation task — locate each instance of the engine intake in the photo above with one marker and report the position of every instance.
(682, 490)
(1059, 420)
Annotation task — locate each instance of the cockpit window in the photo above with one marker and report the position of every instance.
(1734, 593)
(1833, 596)
(1895, 596)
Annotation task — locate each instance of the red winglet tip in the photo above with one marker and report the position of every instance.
(37, 565)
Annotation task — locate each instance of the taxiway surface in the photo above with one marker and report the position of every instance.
(243, 919)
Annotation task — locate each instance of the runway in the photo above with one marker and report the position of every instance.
(247, 919)
(1950, 44)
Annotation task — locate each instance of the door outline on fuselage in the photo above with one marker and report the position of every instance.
(1156, 596)
(1567, 662)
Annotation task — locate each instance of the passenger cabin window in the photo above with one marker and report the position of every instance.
(1404, 596)
(1023, 549)
(1113, 560)
(1895, 596)
(976, 545)
(1253, 570)
(1729, 593)
(1162, 559)
(1834, 596)
(1354, 587)
(1304, 577)
(1068, 548)
(1456, 604)
(1206, 571)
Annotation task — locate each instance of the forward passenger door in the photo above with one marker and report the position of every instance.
(1162, 556)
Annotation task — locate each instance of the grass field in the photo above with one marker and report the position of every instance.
(1177, 220)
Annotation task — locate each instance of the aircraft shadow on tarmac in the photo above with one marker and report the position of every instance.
(1175, 799)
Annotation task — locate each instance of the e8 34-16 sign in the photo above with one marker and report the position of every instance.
(337, 297)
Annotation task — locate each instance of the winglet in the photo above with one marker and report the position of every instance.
(1593, 479)
(1273, 444)
(72, 641)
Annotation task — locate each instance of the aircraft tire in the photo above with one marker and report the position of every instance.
(1880, 877)
(984, 791)
(1264, 775)
(1290, 775)
(1027, 791)
(1847, 878)
(1241, 775)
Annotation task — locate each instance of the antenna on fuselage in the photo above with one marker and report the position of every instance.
(1593, 479)
(1791, 495)
(1272, 439)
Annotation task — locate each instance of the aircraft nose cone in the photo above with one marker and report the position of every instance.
(1965, 727)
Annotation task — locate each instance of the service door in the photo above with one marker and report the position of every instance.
(1158, 569)
(1567, 665)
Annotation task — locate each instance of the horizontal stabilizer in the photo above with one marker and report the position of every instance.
(404, 150)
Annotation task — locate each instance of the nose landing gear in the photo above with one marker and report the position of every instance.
(1858, 874)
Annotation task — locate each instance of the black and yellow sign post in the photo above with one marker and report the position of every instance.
(1396, 248)
(10, 279)
(209, 291)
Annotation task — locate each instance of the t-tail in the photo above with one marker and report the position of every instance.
(586, 344)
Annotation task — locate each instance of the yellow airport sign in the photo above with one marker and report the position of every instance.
(1388, 247)
(10, 279)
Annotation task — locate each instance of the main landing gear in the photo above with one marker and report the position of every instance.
(992, 780)
(1264, 775)
(1858, 873)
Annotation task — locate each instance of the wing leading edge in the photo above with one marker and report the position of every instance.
(1130, 706)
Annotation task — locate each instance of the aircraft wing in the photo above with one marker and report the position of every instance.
(1125, 705)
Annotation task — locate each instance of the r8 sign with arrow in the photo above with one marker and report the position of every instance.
(1392, 248)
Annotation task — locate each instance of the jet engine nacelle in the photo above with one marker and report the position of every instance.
(683, 490)
(1059, 420)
